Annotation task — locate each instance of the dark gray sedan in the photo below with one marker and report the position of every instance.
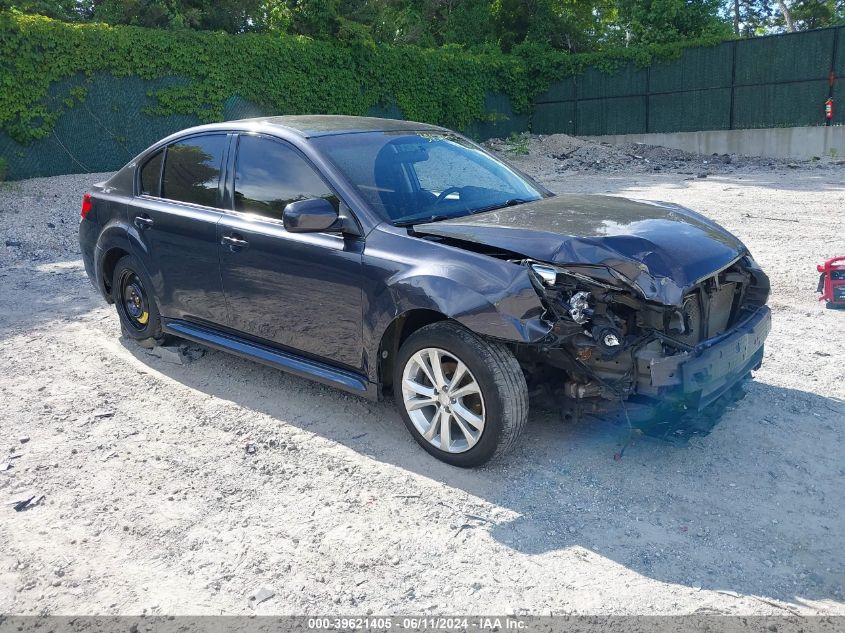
(376, 255)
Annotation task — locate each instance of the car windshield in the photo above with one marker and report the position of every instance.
(421, 177)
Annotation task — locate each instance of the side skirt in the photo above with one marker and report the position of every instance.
(286, 361)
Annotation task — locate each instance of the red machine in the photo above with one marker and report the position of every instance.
(832, 282)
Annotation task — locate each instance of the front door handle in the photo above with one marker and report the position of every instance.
(143, 221)
(234, 242)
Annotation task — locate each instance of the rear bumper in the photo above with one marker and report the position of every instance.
(88, 230)
(88, 262)
(93, 264)
(717, 364)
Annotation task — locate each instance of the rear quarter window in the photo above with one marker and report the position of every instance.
(150, 184)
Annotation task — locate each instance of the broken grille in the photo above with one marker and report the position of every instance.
(707, 313)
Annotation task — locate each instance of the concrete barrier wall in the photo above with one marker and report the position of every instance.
(789, 142)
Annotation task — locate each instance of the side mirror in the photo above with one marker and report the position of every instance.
(309, 216)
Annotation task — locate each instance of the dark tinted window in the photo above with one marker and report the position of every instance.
(151, 175)
(192, 169)
(270, 174)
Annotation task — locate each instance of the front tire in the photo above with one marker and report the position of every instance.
(136, 306)
(463, 398)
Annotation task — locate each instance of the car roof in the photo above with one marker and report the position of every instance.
(312, 125)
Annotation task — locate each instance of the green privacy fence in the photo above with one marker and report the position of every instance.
(113, 124)
(775, 81)
(102, 133)
(90, 119)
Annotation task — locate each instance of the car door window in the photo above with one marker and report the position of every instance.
(151, 175)
(192, 170)
(270, 174)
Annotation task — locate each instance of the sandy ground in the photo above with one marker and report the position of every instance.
(152, 504)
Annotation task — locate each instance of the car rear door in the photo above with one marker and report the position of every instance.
(176, 215)
(301, 291)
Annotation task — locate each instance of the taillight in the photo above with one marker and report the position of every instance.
(86, 205)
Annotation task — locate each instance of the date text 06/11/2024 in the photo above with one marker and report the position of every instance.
(374, 623)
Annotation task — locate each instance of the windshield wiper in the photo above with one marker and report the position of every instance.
(431, 218)
(500, 205)
(512, 202)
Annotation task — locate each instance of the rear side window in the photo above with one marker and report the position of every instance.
(270, 175)
(151, 175)
(192, 169)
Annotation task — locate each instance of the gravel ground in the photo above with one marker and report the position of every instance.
(184, 489)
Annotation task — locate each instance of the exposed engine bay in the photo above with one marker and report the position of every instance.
(647, 303)
(613, 344)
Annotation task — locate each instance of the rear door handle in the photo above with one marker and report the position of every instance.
(234, 242)
(144, 221)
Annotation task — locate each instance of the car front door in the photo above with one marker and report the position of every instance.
(301, 291)
(175, 216)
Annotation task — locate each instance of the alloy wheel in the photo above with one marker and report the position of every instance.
(443, 400)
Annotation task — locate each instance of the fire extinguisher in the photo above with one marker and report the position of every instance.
(828, 109)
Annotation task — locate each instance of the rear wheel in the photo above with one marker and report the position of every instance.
(464, 399)
(136, 306)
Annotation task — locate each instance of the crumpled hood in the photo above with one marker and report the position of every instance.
(662, 248)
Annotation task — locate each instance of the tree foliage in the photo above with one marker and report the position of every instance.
(670, 20)
(814, 14)
(750, 18)
(569, 25)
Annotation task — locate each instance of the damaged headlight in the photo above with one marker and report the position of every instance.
(585, 304)
(579, 307)
(546, 273)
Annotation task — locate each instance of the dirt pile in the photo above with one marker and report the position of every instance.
(562, 154)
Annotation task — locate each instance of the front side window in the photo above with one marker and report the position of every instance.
(412, 177)
(270, 174)
(151, 175)
(192, 170)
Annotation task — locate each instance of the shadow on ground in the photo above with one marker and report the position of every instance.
(752, 508)
(53, 291)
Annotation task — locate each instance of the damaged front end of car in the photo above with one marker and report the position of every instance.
(634, 339)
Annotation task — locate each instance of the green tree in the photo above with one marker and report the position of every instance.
(573, 25)
(427, 23)
(749, 18)
(753, 18)
(392, 21)
(315, 18)
(655, 21)
(810, 14)
(466, 22)
(567, 25)
(67, 10)
(232, 16)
